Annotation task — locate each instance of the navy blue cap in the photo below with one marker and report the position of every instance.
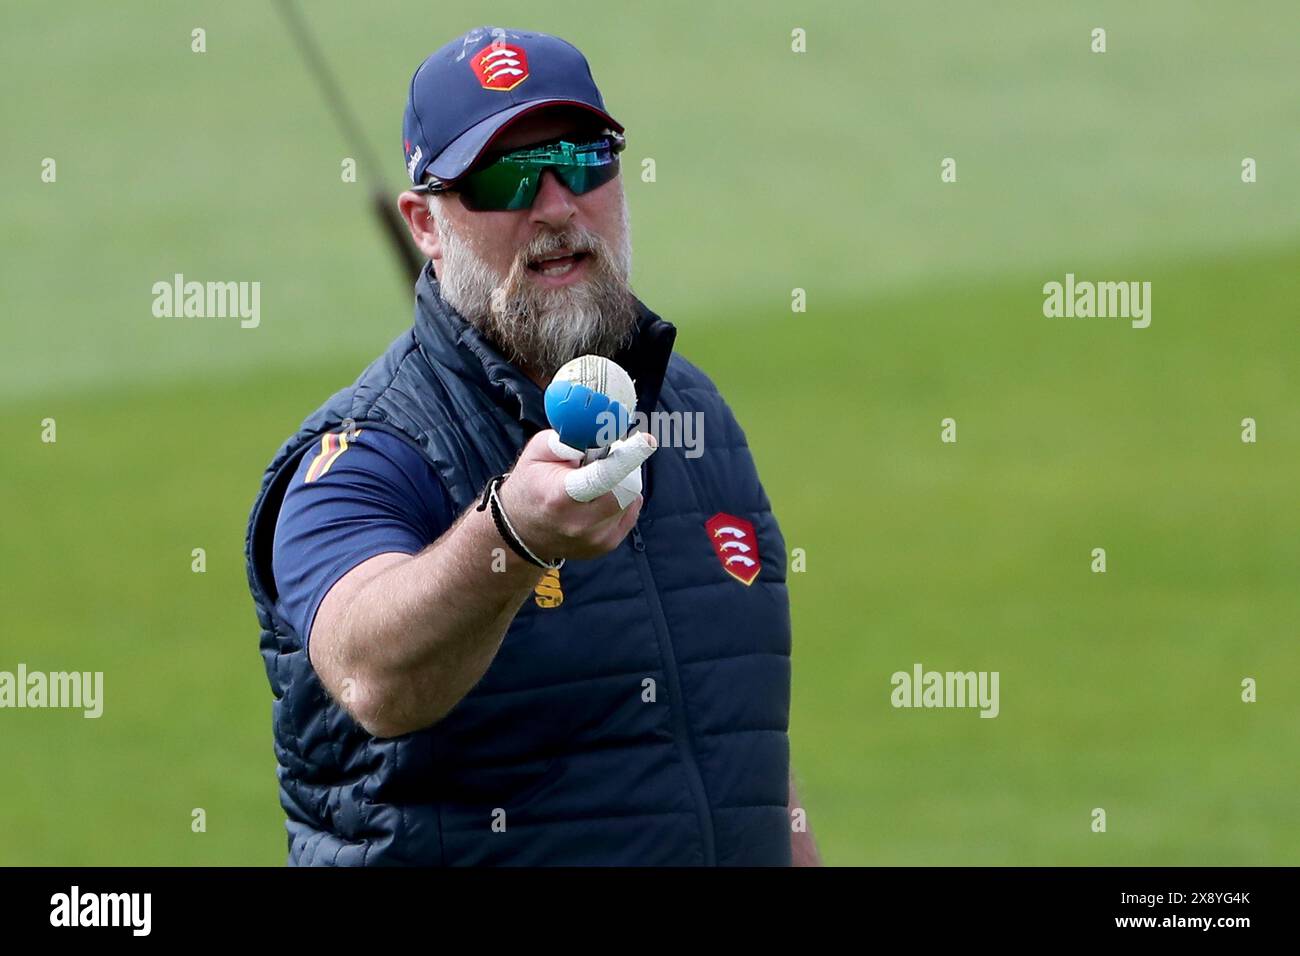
(467, 92)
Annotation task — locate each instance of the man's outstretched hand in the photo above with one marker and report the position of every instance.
(564, 509)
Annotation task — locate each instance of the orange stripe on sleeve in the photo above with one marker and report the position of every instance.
(326, 448)
(342, 441)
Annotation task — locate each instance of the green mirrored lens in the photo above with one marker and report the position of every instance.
(583, 179)
(512, 181)
(502, 185)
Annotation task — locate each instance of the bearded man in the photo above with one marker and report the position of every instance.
(558, 679)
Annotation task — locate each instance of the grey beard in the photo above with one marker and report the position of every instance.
(536, 327)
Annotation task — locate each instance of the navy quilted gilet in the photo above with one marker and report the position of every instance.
(640, 719)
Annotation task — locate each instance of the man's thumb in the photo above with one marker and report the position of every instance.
(546, 446)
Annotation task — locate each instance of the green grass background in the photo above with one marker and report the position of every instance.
(774, 171)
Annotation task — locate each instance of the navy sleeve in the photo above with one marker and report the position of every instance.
(351, 499)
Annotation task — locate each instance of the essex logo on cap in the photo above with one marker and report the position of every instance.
(500, 66)
(736, 546)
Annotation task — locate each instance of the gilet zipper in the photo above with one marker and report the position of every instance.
(677, 704)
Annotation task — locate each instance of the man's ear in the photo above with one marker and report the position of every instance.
(414, 208)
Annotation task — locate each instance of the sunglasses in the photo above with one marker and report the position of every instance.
(511, 180)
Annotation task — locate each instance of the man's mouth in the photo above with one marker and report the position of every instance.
(557, 264)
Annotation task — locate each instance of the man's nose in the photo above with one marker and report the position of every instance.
(553, 204)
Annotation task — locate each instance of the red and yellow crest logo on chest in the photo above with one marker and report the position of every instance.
(736, 545)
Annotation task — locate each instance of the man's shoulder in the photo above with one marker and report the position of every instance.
(367, 398)
(361, 473)
(373, 451)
